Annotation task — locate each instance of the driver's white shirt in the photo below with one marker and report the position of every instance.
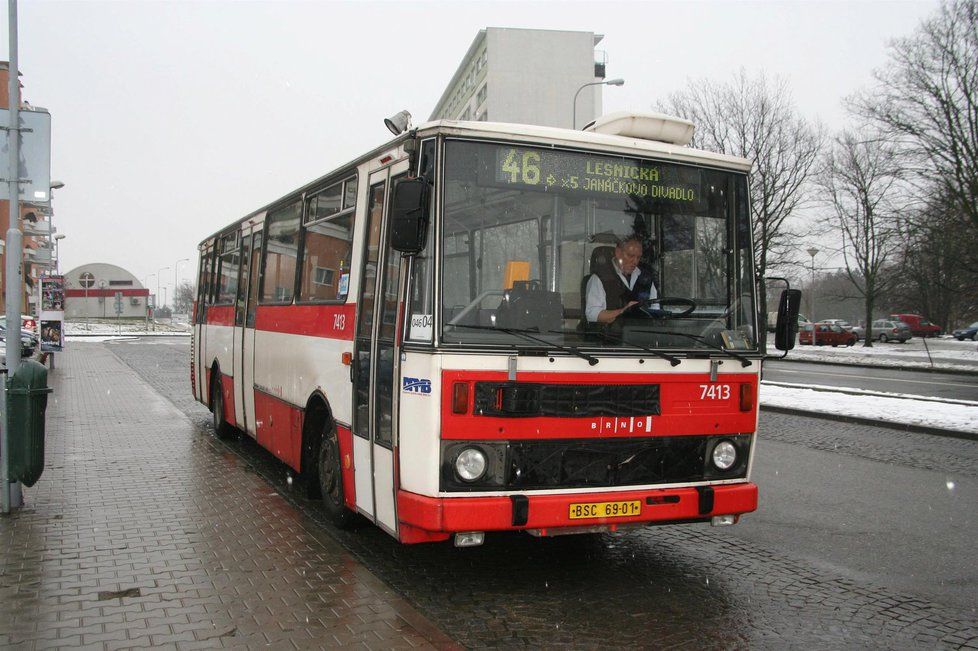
(597, 300)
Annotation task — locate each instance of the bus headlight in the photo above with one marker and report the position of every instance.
(470, 464)
(724, 455)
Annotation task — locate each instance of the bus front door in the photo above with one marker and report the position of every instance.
(376, 359)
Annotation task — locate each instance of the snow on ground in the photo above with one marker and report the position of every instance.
(91, 331)
(957, 415)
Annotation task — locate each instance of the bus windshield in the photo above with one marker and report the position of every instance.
(534, 243)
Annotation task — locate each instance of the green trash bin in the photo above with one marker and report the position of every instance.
(27, 400)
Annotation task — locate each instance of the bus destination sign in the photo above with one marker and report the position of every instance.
(550, 170)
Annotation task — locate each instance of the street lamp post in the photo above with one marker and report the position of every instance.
(176, 265)
(812, 251)
(101, 291)
(146, 286)
(52, 238)
(57, 251)
(159, 275)
(609, 82)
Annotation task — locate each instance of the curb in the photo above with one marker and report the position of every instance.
(857, 420)
(850, 391)
(924, 369)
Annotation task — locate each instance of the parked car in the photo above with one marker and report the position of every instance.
(886, 330)
(969, 332)
(919, 326)
(28, 338)
(845, 325)
(826, 334)
(27, 343)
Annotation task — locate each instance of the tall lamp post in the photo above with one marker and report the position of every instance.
(159, 274)
(176, 265)
(146, 286)
(609, 82)
(52, 238)
(812, 251)
(57, 254)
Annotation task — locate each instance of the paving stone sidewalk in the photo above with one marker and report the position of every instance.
(142, 532)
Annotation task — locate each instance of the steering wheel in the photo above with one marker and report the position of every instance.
(646, 307)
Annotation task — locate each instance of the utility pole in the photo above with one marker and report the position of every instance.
(10, 490)
(812, 251)
(175, 266)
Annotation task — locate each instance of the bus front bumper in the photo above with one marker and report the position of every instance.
(423, 519)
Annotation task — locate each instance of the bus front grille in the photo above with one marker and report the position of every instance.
(527, 399)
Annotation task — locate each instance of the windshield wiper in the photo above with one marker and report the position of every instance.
(525, 334)
(744, 362)
(607, 336)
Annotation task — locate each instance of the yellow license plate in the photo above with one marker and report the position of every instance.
(605, 510)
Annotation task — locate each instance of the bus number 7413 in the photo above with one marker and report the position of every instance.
(715, 392)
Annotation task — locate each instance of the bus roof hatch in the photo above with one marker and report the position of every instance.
(646, 126)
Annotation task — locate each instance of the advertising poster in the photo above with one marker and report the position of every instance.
(51, 320)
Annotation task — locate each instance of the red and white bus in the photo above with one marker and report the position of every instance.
(409, 332)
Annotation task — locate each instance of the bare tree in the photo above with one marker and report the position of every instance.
(927, 98)
(859, 181)
(938, 264)
(184, 297)
(757, 120)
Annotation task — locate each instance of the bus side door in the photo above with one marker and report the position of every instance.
(237, 347)
(376, 360)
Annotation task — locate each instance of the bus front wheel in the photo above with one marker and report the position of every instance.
(331, 481)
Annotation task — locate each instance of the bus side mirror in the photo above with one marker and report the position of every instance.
(409, 215)
(786, 330)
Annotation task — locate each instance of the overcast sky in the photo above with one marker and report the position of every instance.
(172, 119)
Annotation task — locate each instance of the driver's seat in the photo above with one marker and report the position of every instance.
(602, 257)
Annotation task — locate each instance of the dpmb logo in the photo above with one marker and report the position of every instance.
(417, 386)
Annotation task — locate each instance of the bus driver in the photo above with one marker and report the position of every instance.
(614, 288)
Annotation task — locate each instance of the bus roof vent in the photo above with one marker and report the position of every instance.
(647, 126)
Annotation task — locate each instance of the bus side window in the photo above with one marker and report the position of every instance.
(327, 244)
(229, 259)
(282, 248)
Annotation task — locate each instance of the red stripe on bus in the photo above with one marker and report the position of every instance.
(689, 404)
(279, 428)
(220, 315)
(330, 321)
(82, 293)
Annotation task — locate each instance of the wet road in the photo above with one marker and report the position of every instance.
(863, 539)
(891, 380)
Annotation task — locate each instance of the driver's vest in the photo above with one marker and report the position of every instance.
(617, 294)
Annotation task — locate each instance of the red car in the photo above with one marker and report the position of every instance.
(826, 334)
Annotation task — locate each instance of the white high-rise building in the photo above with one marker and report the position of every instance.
(526, 76)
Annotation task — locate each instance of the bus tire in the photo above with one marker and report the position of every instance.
(330, 476)
(221, 426)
